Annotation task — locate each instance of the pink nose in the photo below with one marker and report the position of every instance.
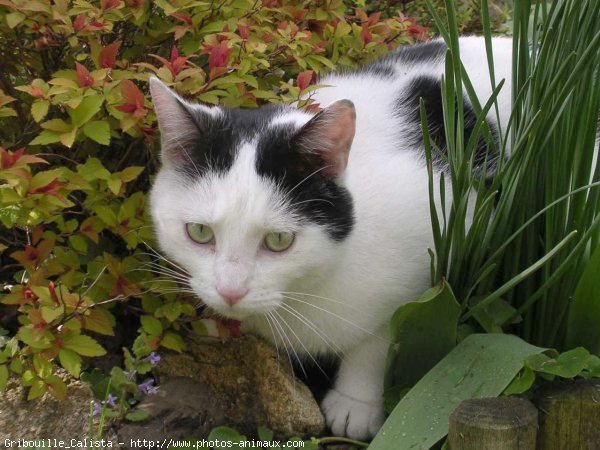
(232, 295)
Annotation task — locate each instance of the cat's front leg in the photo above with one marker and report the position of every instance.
(354, 407)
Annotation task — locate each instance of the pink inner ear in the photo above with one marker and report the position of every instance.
(337, 128)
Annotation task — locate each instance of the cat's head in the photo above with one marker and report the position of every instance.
(251, 203)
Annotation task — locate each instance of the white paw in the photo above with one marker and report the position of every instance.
(353, 418)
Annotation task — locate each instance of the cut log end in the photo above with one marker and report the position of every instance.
(504, 423)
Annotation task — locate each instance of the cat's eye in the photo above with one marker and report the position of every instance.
(278, 241)
(200, 233)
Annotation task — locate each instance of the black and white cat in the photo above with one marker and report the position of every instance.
(313, 228)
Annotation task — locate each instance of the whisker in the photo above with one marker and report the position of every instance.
(274, 339)
(290, 342)
(277, 327)
(326, 298)
(358, 327)
(320, 333)
(303, 346)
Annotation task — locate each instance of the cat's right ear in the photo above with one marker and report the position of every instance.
(181, 124)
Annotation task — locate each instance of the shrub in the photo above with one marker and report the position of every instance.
(78, 149)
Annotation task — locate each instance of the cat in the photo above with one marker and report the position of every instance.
(313, 228)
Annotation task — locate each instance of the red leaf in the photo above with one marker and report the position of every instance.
(84, 78)
(134, 99)
(134, 3)
(109, 4)
(270, 3)
(304, 79)
(365, 34)
(17, 158)
(79, 23)
(219, 55)
(53, 295)
(243, 30)
(108, 55)
(183, 17)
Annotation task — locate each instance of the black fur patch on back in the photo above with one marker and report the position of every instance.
(314, 196)
(406, 55)
(429, 89)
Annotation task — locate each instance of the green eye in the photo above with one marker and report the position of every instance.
(278, 241)
(200, 233)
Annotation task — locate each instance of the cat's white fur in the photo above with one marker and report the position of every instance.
(345, 292)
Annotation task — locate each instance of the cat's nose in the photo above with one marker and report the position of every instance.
(232, 295)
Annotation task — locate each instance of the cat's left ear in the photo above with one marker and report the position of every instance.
(329, 135)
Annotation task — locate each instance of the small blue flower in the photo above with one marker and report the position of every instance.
(153, 358)
(111, 400)
(147, 387)
(97, 409)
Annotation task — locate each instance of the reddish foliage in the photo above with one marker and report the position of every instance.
(134, 99)
(108, 55)
(304, 79)
(183, 17)
(84, 79)
(79, 23)
(176, 62)
(109, 4)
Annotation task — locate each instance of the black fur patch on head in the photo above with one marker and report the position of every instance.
(219, 137)
(314, 196)
(429, 89)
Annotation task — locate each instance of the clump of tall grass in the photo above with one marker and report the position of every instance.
(535, 223)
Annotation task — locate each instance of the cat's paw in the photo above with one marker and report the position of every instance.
(353, 418)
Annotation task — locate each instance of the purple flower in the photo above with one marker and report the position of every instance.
(147, 387)
(97, 409)
(111, 400)
(153, 358)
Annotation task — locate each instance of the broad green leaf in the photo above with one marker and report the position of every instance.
(38, 388)
(566, 365)
(93, 170)
(98, 130)
(173, 341)
(87, 109)
(422, 332)
(71, 361)
(583, 327)
(14, 19)
(151, 325)
(482, 365)
(84, 345)
(46, 137)
(39, 109)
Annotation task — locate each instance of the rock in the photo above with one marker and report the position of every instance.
(45, 417)
(238, 383)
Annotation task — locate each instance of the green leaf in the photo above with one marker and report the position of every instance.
(71, 361)
(583, 327)
(14, 19)
(137, 416)
(151, 325)
(566, 365)
(98, 130)
(84, 345)
(521, 383)
(38, 388)
(39, 109)
(46, 137)
(423, 332)
(93, 170)
(264, 434)
(3, 377)
(173, 341)
(480, 366)
(87, 109)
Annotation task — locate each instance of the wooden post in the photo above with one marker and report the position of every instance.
(570, 416)
(503, 423)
